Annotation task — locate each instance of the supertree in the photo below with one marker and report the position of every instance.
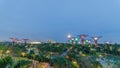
(69, 36)
(82, 36)
(96, 38)
(13, 41)
(74, 40)
(88, 41)
(25, 41)
(19, 41)
(70, 39)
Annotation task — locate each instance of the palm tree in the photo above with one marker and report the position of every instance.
(6, 62)
(22, 63)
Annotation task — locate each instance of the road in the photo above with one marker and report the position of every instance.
(65, 53)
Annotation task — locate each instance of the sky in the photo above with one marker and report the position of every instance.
(55, 19)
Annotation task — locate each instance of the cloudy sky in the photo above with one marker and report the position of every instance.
(54, 19)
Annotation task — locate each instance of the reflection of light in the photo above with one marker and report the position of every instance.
(69, 36)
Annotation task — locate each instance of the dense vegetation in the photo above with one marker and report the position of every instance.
(60, 55)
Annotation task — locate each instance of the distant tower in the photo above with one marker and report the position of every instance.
(25, 41)
(13, 40)
(82, 36)
(96, 38)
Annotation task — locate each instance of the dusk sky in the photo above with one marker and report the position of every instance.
(54, 19)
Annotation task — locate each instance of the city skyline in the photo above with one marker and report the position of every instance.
(43, 20)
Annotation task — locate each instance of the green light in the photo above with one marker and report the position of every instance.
(76, 39)
(87, 41)
(70, 41)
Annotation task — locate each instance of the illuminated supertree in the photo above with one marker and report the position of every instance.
(70, 39)
(74, 40)
(88, 41)
(25, 40)
(13, 40)
(69, 36)
(96, 38)
(82, 36)
(18, 41)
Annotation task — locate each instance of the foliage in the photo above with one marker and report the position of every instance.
(6, 62)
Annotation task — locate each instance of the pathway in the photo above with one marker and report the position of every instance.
(65, 53)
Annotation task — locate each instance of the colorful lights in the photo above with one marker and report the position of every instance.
(76, 39)
(82, 36)
(69, 36)
(96, 38)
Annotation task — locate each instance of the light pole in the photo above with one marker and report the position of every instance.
(82, 36)
(96, 38)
